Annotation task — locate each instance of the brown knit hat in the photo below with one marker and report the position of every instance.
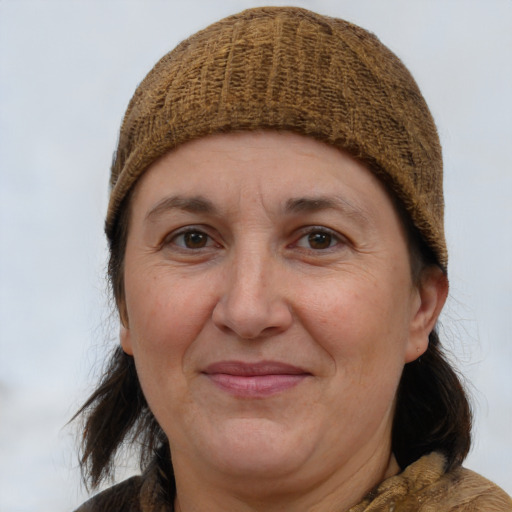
(287, 68)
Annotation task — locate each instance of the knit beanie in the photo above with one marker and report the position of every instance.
(287, 68)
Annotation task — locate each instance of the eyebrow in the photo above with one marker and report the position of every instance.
(199, 204)
(315, 204)
(194, 204)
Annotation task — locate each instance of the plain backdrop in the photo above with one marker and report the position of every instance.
(67, 71)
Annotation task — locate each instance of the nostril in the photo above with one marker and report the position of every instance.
(252, 321)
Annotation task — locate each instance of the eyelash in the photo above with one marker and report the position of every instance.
(332, 238)
(189, 230)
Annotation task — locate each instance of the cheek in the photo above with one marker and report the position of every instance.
(166, 314)
(166, 318)
(361, 323)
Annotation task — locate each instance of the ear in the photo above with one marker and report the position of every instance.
(124, 328)
(121, 309)
(432, 291)
(125, 339)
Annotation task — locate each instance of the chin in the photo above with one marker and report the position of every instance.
(256, 448)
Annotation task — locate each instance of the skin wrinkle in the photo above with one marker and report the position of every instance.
(295, 209)
(195, 204)
(198, 204)
(262, 278)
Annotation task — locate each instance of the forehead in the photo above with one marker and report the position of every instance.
(274, 169)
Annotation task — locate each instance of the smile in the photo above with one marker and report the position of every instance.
(254, 380)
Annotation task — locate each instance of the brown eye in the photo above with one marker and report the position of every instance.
(192, 240)
(319, 240)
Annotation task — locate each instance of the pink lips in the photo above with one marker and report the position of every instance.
(254, 380)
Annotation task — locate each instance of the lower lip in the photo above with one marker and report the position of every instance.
(255, 386)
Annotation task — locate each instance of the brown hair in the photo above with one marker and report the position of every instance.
(432, 410)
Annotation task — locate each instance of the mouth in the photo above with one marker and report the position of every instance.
(254, 380)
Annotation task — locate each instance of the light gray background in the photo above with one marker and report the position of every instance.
(67, 71)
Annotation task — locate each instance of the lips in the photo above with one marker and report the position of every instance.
(254, 380)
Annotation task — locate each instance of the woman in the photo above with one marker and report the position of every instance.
(279, 263)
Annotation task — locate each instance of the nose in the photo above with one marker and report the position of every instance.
(252, 302)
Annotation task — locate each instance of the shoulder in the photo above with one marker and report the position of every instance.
(464, 490)
(123, 496)
(153, 491)
(459, 490)
(424, 486)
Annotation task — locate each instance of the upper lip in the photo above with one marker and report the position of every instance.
(248, 369)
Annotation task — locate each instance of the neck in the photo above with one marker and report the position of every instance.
(340, 490)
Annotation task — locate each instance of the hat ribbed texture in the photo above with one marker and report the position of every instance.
(287, 68)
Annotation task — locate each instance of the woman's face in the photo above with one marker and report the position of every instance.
(270, 307)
